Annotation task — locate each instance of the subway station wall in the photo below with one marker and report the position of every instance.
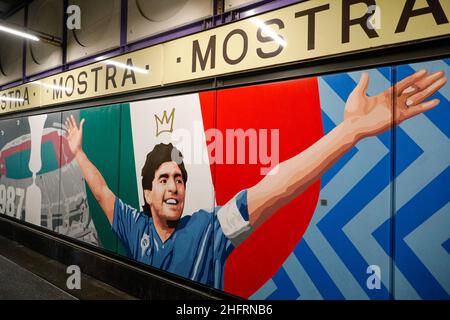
(376, 225)
(11, 53)
(44, 16)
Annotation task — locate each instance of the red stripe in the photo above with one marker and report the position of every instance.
(293, 107)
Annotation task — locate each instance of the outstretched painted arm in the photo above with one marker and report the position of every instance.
(94, 179)
(363, 117)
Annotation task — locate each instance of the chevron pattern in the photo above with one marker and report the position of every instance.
(388, 205)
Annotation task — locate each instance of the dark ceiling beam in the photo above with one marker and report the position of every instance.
(4, 6)
(12, 8)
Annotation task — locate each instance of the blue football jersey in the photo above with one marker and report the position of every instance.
(197, 249)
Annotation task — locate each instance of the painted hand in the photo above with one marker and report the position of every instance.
(369, 116)
(74, 135)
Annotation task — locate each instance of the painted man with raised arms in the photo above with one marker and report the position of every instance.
(196, 246)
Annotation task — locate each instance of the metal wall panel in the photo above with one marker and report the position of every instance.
(149, 17)
(100, 28)
(422, 198)
(44, 16)
(11, 49)
(234, 4)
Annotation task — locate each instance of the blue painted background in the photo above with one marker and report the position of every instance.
(388, 205)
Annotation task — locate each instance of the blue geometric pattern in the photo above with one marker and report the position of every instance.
(446, 246)
(388, 205)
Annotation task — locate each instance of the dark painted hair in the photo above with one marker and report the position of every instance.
(161, 153)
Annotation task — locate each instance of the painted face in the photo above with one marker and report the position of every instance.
(166, 199)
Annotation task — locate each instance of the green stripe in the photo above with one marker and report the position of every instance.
(128, 190)
(101, 144)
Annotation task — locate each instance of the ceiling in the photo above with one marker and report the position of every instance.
(8, 7)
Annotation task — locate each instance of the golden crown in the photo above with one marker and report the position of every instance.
(165, 124)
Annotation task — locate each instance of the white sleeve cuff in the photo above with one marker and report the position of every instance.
(233, 225)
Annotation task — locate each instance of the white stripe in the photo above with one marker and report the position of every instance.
(426, 242)
(301, 280)
(232, 223)
(265, 291)
(200, 255)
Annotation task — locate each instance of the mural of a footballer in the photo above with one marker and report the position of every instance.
(197, 246)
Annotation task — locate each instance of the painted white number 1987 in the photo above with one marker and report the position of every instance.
(8, 201)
